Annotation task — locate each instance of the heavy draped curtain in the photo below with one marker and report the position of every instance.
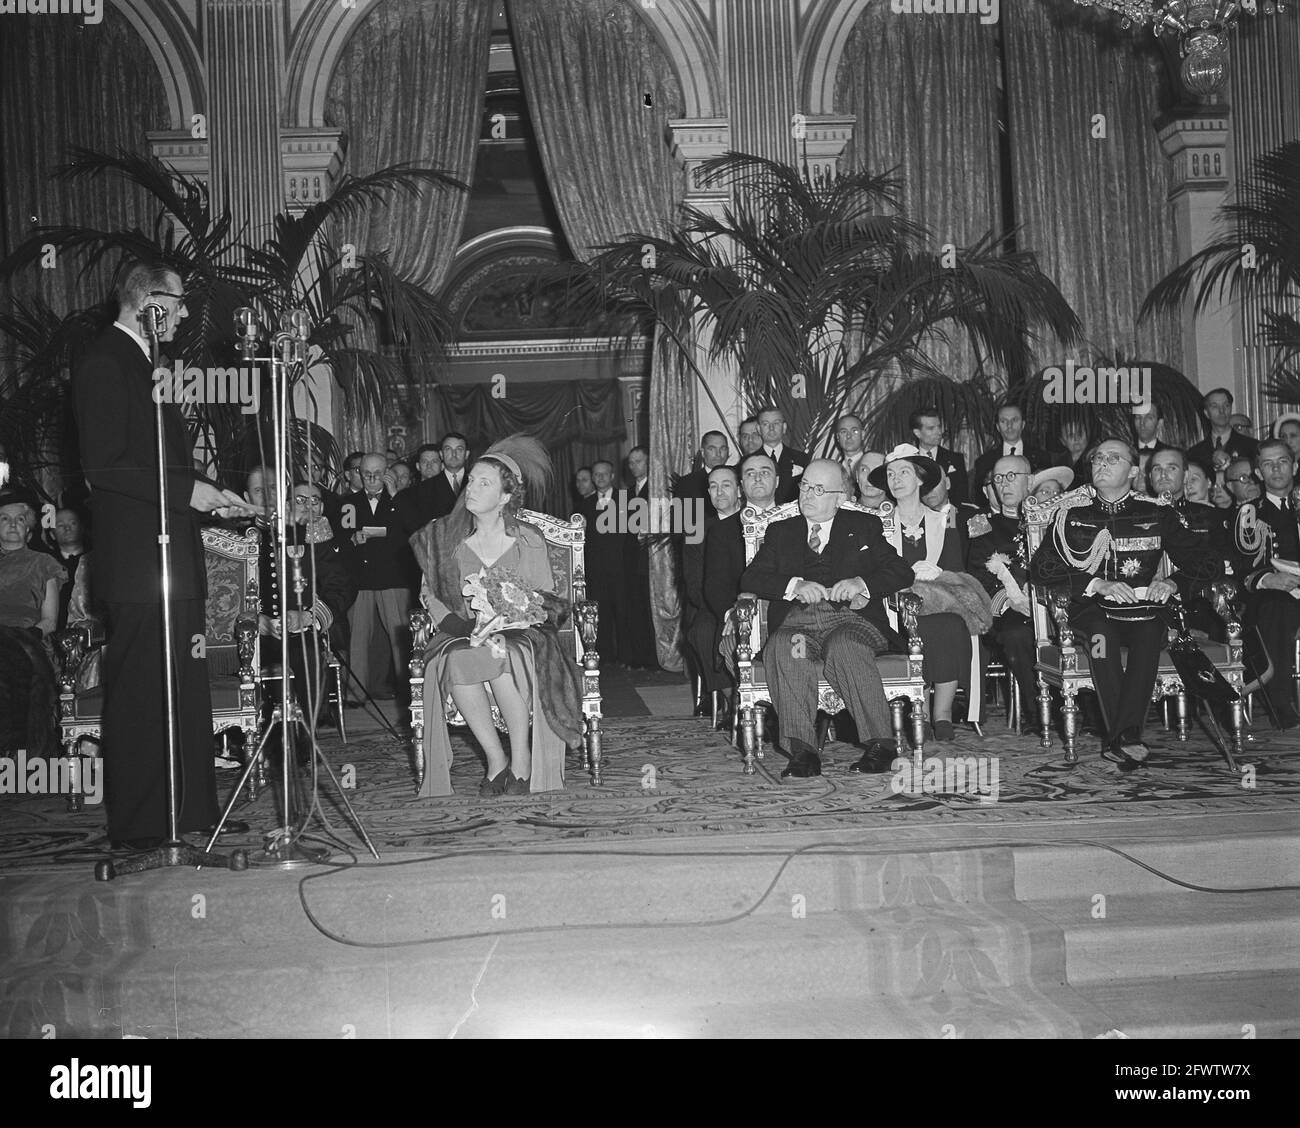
(924, 91)
(66, 83)
(587, 67)
(578, 420)
(1094, 209)
(408, 88)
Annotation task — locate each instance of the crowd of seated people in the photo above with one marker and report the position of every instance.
(1222, 506)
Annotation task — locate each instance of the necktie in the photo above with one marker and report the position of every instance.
(815, 539)
(1218, 444)
(1014, 451)
(455, 482)
(771, 454)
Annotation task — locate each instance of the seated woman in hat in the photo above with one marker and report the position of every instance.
(1047, 485)
(533, 684)
(29, 609)
(955, 608)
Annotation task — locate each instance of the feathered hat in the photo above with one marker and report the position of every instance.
(526, 459)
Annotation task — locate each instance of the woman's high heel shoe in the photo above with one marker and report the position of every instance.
(497, 786)
(518, 786)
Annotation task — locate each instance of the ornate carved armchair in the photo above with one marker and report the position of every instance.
(230, 639)
(901, 673)
(564, 546)
(1064, 659)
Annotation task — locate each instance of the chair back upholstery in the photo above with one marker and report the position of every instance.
(231, 563)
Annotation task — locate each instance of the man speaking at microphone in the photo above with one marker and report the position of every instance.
(113, 394)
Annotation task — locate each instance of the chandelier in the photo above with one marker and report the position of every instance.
(1201, 26)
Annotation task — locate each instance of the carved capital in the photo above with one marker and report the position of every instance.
(827, 136)
(312, 159)
(179, 149)
(1197, 147)
(696, 140)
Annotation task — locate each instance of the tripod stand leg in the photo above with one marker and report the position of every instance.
(1210, 723)
(352, 815)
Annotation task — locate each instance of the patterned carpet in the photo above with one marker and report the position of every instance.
(672, 777)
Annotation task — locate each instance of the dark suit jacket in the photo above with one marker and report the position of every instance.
(724, 564)
(429, 499)
(787, 482)
(857, 548)
(694, 484)
(954, 465)
(329, 582)
(1038, 460)
(382, 563)
(605, 551)
(112, 389)
(1237, 446)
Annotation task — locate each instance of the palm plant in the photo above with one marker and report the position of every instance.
(817, 296)
(1255, 254)
(357, 303)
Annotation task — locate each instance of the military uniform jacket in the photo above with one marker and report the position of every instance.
(328, 590)
(1212, 525)
(1261, 534)
(1120, 541)
(990, 533)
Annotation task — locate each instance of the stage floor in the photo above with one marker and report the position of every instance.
(686, 899)
(670, 778)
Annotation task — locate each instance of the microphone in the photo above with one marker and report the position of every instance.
(299, 321)
(153, 320)
(248, 330)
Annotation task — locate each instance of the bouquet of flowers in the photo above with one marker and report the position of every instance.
(500, 601)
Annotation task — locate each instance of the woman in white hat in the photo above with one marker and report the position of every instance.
(1050, 483)
(931, 544)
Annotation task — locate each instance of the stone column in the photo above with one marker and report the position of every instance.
(1196, 145)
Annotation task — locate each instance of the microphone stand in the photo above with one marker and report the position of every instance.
(175, 852)
(285, 846)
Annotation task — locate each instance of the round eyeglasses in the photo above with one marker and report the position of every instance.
(817, 490)
(1008, 476)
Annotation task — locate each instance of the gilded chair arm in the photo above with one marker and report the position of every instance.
(1058, 604)
(586, 614)
(908, 606)
(421, 632)
(246, 646)
(745, 610)
(73, 647)
(1226, 598)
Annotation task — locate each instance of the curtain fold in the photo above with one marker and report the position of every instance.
(409, 88)
(65, 83)
(588, 68)
(579, 421)
(1094, 209)
(925, 93)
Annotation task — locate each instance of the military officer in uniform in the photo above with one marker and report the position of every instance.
(999, 559)
(1267, 539)
(1107, 551)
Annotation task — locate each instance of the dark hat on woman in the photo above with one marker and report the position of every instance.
(16, 495)
(926, 468)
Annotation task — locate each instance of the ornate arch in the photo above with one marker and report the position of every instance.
(826, 30)
(170, 38)
(321, 35)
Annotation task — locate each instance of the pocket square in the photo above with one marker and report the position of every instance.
(864, 548)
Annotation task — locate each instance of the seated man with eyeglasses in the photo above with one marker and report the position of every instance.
(826, 573)
(320, 610)
(1107, 552)
(999, 559)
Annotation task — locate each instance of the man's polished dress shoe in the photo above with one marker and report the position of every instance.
(804, 761)
(877, 756)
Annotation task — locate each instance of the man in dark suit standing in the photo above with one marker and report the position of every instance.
(1223, 444)
(435, 496)
(636, 644)
(1146, 422)
(790, 463)
(113, 392)
(604, 558)
(714, 452)
(1011, 426)
(701, 625)
(927, 426)
(825, 573)
(384, 571)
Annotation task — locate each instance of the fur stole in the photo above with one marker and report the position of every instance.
(959, 594)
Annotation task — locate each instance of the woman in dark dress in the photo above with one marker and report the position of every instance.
(928, 541)
(29, 608)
